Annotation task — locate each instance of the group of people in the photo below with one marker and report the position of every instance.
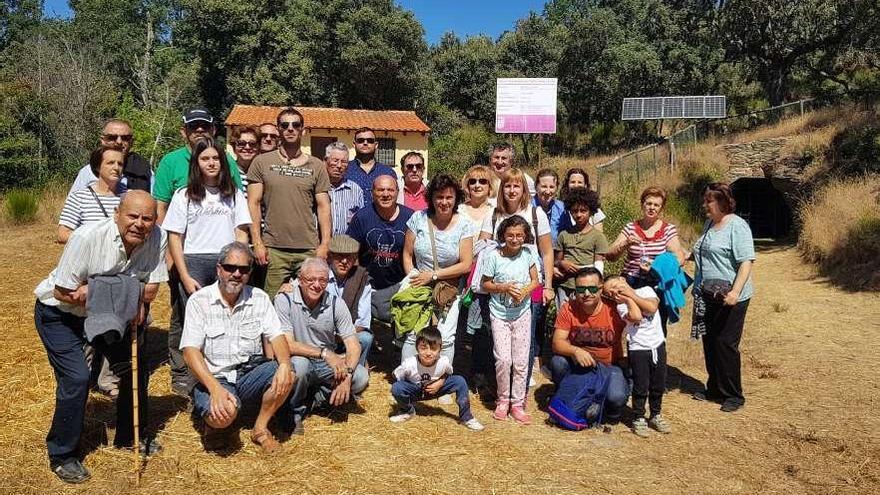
(282, 266)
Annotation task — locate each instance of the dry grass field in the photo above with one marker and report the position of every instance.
(811, 375)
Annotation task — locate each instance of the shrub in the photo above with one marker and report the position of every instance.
(455, 152)
(22, 205)
(856, 150)
(620, 206)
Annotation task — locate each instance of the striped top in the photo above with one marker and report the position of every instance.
(82, 207)
(650, 247)
(345, 199)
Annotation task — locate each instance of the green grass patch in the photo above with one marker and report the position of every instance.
(22, 206)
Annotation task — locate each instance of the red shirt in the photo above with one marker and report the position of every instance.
(599, 334)
(415, 201)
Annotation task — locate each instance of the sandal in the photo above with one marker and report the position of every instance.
(266, 441)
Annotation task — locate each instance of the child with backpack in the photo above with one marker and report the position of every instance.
(426, 375)
(646, 350)
(509, 276)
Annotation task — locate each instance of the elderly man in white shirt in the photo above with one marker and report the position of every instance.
(125, 244)
(222, 345)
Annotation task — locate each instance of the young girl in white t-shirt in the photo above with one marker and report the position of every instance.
(646, 351)
(204, 216)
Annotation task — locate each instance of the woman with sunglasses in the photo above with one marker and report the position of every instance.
(513, 199)
(207, 214)
(724, 255)
(477, 186)
(589, 332)
(246, 144)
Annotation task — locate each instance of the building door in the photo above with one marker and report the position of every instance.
(319, 145)
(385, 152)
(763, 207)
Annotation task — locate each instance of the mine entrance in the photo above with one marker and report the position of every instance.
(763, 207)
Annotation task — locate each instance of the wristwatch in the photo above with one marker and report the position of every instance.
(433, 276)
(349, 370)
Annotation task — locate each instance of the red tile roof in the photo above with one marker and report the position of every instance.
(333, 118)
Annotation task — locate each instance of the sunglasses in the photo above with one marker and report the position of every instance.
(270, 136)
(365, 140)
(246, 144)
(413, 166)
(230, 268)
(117, 137)
(290, 125)
(199, 125)
(583, 289)
(473, 181)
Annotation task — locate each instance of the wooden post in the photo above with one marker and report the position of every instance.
(134, 403)
(540, 149)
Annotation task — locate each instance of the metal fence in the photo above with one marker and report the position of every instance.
(646, 161)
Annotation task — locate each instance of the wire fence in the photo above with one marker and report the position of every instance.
(648, 160)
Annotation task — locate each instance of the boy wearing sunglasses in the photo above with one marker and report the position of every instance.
(589, 331)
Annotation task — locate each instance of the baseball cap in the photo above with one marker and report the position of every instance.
(343, 244)
(197, 115)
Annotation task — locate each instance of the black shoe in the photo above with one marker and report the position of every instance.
(71, 471)
(731, 405)
(151, 448)
(705, 396)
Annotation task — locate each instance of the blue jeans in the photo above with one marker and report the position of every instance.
(618, 385)
(314, 375)
(365, 339)
(406, 393)
(248, 388)
(62, 336)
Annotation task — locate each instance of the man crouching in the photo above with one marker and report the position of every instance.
(222, 346)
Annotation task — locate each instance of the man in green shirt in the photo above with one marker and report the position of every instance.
(172, 174)
(173, 171)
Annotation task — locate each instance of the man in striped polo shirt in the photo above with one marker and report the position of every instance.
(346, 197)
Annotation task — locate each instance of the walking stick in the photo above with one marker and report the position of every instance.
(134, 401)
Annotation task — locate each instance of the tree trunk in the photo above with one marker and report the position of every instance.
(776, 83)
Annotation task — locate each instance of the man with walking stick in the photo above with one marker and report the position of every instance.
(107, 273)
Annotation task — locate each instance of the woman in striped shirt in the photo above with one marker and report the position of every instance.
(97, 201)
(645, 239)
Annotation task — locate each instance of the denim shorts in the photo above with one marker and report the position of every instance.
(247, 390)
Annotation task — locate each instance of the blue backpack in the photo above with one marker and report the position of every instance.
(580, 399)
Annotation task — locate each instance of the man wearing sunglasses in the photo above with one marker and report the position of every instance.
(268, 137)
(413, 191)
(589, 331)
(364, 169)
(222, 343)
(292, 188)
(136, 172)
(171, 175)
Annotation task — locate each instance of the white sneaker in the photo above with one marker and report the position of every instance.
(400, 418)
(445, 399)
(474, 425)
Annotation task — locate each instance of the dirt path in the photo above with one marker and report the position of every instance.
(811, 376)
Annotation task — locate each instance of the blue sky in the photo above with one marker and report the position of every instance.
(464, 17)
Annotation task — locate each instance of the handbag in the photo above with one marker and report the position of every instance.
(712, 289)
(443, 293)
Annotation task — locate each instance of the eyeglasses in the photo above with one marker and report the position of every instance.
(413, 166)
(315, 280)
(480, 181)
(269, 136)
(583, 289)
(290, 125)
(365, 140)
(230, 268)
(246, 144)
(125, 138)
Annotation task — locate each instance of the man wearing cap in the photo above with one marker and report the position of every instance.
(314, 321)
(136, 171)
(124, 245)
(350, 282)
(346, 197)
(364, 169)
(290, 187)
(171, 175)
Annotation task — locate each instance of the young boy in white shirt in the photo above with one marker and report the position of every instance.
(428, 375)
(646, 350)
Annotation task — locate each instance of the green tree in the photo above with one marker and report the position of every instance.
(466, 72)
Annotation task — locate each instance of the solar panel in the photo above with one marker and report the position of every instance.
(674, 107)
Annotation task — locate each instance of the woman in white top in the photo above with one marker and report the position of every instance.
(97, 201)
(477, 185)
(453, 243)
(204, 216)
(513, 199)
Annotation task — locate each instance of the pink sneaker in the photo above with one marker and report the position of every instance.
(520, 416)
(501, 411)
